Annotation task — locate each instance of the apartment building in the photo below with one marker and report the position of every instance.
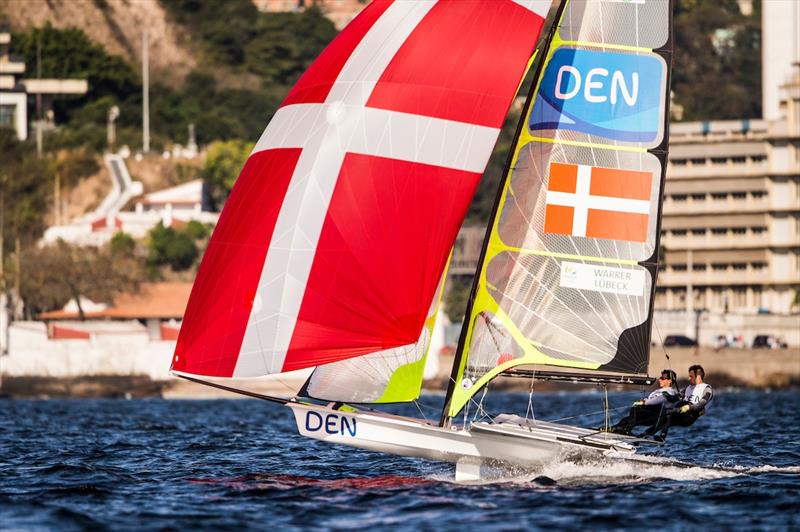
(731, 225)
(16, 93)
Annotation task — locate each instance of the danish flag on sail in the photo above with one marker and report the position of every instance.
(333, 240)
(598, 202)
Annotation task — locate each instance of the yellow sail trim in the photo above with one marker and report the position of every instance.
(635, 149)
(484, 302)
(558, 41)
(405, 383)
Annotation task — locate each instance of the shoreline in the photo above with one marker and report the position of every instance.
(757, 369)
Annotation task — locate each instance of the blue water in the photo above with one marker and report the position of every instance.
(158, 464)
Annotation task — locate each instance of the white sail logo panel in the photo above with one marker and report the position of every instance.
(568, 275)
(334, 239)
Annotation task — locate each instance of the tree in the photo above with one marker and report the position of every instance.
(455, 300)
(172, 248)
(60, 272)
(223, 163)
(717, 47)
(26, 185)
(197, 230)
(122, 245)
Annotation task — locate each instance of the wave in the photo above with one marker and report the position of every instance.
(583, 470)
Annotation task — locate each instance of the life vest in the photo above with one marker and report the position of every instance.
(694, 393)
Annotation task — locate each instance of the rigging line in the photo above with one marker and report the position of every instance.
(479, 410)
(416, 403)
(606, 417)
(586, 415)
(471, 399)
(279, 400)
(529, 410)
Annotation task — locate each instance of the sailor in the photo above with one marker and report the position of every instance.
(655, 408)
(697, 399)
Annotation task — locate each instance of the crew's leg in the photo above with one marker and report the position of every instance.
(638, 415)
(684, 420)
(626, 424)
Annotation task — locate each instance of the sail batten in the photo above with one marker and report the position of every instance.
(567, 277)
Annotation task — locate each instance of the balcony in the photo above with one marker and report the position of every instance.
(710, 169)
(11, 65)
(712, 205)
(711, 277)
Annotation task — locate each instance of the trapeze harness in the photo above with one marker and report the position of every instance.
(698, 397)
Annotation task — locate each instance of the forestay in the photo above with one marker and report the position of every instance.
(568, 273)
(336, 234)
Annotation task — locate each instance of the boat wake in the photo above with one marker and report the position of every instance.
(580, 470)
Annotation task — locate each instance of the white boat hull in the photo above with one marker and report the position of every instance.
(529, 446)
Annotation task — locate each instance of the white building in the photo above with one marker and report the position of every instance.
(780, 51)
(14, 90)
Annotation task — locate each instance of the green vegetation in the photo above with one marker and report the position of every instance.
(717, 63)
(224, 161)
(455, 299)
(197, 230)
(168, 247)
(122, 245)
(58, 273)
(276, 47)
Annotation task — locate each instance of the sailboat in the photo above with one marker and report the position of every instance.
(332, 249)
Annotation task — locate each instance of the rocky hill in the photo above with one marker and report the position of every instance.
(115, 24)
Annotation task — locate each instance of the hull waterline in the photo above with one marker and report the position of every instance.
(482, 443)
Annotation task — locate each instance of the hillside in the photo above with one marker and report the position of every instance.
(117, 26)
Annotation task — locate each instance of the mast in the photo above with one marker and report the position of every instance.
(460, 351)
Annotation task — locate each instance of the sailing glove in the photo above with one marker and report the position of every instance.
(638, 403)
(684, 409)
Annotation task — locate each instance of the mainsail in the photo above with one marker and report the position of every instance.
(335, 237)
(567, 275)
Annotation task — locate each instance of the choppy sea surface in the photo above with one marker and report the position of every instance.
(157, 464)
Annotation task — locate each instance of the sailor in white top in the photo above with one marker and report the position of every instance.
(697, 398)
(653, 410)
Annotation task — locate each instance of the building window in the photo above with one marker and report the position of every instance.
(739, 195)
(739, 297)
(699, 267)
(758, 158)
(679, 162)
(7, 115)
(739, 265)
(719, 231)
(719, 160)
(701, 231)
(739, 160)
(759, 265)
(739, 230)
(698, 161)
(757, 194)
(720, 267)
(679, 267)
(758, 230)
(698, 197)
(679, 232)
(719, 195)
(679, 197)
